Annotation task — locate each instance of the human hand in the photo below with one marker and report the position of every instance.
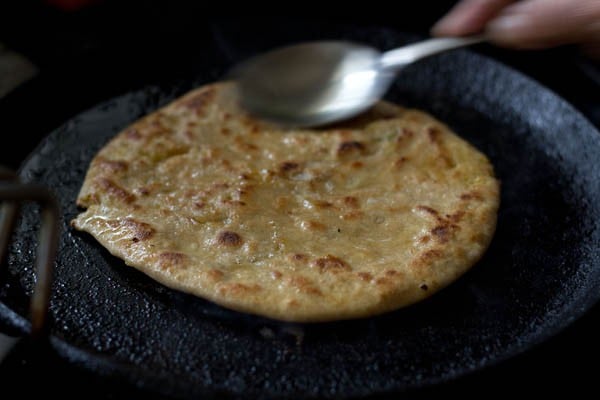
(528, 24)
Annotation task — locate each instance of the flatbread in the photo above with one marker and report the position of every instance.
(334, 223)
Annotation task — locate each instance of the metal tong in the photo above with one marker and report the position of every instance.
(12, 194)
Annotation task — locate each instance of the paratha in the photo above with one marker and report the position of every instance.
(303, 225)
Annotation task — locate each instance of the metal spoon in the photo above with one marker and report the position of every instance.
(316, 83)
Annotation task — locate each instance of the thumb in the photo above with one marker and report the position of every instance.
(545, 23)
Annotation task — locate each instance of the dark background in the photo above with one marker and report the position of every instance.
(90, 54)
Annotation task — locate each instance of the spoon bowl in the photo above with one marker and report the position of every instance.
(317, 83)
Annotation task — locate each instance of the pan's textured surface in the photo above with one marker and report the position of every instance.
(541, 272)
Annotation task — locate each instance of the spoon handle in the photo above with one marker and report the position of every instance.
(400, 57)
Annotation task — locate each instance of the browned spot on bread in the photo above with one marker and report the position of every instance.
(344, 133)
(478, 238)
(311, 290)
(400, 162)
(198, 101)
(215, 274)
(383, 281)
(365, 276)
(392, 272)
(115, 190)
(323, 204)
(226, 164)
(276, 274)
(250, 123)
(442, 233)
(331, 263)
(350, 147)
(299, 257)
(287, 167)
(313, 225)
(225, 131)
(133, 134)
(110, 166)
(169, 260)
(292, 303)
(456, 217)
(406, 132)
(403, 135)
(235, 203)
(156, 121)
(189, 135)
(433, 133)
(239, 289)
(445, 158)
(199, 204)
(228, 238)
(269, 173)
(156, 130)
(281, 202)
(351, 201)
(140, 230)
(357, 164)
(428, 210)
(143, 191)
(244, 190)
(305, 285)
(447, 225)
(425, 239)
(189, 193)
(431, 255)
(244, 145)
(352, 215)
(472, 195)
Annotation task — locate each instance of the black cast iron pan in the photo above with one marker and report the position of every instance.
(541, 272)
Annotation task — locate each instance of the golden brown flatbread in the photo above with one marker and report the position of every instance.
(300, 225)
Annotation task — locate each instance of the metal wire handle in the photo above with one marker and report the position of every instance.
(12, 193)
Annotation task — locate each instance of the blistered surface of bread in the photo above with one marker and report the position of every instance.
(301, 225)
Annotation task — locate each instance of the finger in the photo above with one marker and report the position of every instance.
(468, 16)
(545, 23)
